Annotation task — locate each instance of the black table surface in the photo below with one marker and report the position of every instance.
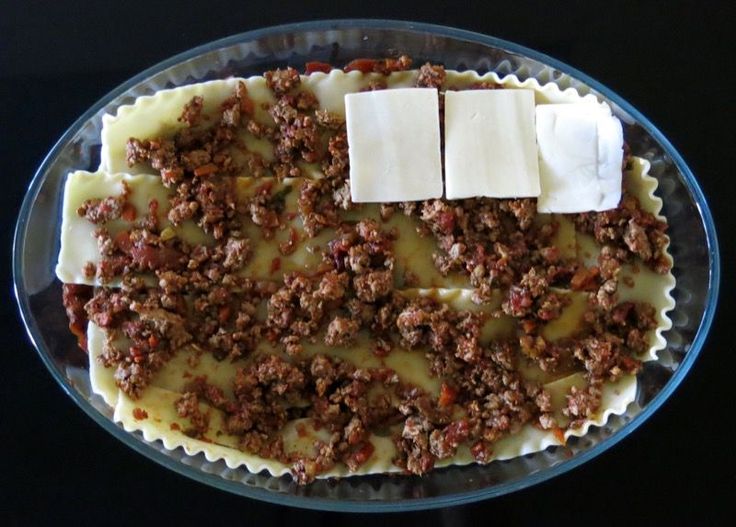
(669, 59)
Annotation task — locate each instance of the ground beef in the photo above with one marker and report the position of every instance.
(431, 76)
(111, 208)
(315, 207)
(266, 208)
(373, 285)
(630, 228)
(382, 66)
(329, 120)
(336, 164)
(375, 85)
(107, 307)
(196, 163)
(153, 337)
(494, 241)
(501, 401)
(298, 136)
(282, 81)
(450, 335)
(582, 403)
(443, 443)
(270, 389)
(296, 310)
(237, 251)
(341, 331)
(261, 131)
(159, 323)
(414, 446)
(187, 406)
(74, 297)
(133, 369)
(192, 112)
(610, 260)
(166, 324)
(532, 300)
(159, 153)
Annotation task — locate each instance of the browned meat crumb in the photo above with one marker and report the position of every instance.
(382, 66)
(298, 137)
(282, 81)
(583, 403)
(315, 207)
(160, 153)
(188, 406)
(337, 163)
(192, 113)
(486, 85)
(431, 76)
(103, 210)
(74, 297)
(329, 120)
(341, 331)
(631, 228)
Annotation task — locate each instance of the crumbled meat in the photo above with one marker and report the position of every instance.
(299, 136)
(329, 120)
(296, 310)
(282, 81)
(341, 196)
(337, 162)
(382, 66)
(449, 334)
(486, 85)
(187, 406)
(315, 208)
(373, 285)
(582, 403)
(236, 253)
(192, 112)
(431, 76)
(193, 295)
(74, 297)
(636, 239)
(160, 153)
(631, 228)
(103, 210)
(443, 443)
(341, 331)
(107, 306)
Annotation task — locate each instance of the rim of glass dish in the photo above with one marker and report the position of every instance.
(355, 505)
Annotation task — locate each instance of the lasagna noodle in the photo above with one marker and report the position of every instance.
(413, 253)
(154, 415)
(158, 115)
(162, 422)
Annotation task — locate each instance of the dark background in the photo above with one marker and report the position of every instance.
(669, 59)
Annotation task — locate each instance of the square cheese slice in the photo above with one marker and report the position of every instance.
(394, 145)
(490, 146)
(580, 158)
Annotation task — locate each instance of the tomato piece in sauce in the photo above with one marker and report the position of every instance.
(313, 67)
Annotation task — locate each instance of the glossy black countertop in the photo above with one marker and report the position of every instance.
(670, 60)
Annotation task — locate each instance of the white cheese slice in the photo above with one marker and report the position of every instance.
(580, 157)
(490, 146)
(394, 145)
(610, 159)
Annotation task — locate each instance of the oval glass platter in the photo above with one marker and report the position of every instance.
(693, 246)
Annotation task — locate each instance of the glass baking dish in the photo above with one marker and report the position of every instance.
(693, 245)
